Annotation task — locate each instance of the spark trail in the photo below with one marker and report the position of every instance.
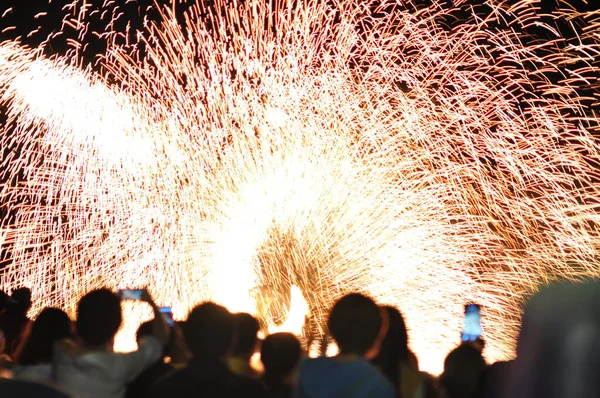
(332, 147)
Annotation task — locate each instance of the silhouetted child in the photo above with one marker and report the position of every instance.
(280, 354)
(463, 370)
(246, 342)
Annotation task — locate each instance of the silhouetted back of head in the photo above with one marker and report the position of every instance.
(355, 322)
(145, 329)
(98, 317)
(394, 347)
(20, 300)
(558, 348)
(246, 329)
(209, 331)
(280, 354)
(51, 325)
(463, 370)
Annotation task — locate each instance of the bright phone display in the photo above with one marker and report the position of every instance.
(472, 329)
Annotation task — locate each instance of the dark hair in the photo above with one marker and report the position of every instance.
(209, 331)
(463, 370)
(280, 353)
(20, 300)
(51, 325)
(98, 317)
(394, 347)
(246, 329)
(354, 323)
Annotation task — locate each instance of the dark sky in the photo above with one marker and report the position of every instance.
(46, 20)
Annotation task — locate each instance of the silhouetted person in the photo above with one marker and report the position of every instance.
(89, 368)
(463, 370)
(209, 332)
(396, 361)
(394, 348)
(34, 356)
(142, 385)
(280, 354)
(558, 348)
(246, 341)
(495, 380)
(358, 326)
(14, 320)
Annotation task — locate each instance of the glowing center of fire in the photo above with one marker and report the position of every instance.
(296, 316)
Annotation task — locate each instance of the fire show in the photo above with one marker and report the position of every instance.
(272, 156)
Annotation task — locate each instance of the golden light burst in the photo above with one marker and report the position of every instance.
(270, 150)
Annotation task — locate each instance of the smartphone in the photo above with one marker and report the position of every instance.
(131, 294)
(168, 315)
(472, 329)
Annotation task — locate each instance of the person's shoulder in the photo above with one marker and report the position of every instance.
(368, 368)
(37, 372)
(149, 351)
(362, 369)
(169, 383)
(66, 348)
(321, 364)
(311, 369)
(316, 362)
(250, 387)
(381, 385)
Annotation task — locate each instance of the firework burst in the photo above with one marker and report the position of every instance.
(332, 147)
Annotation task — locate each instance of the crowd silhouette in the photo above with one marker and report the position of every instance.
(212, 353)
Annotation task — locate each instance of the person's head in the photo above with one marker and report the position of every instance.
(246, 330)
(280, 354)
(20, 300)
(463, 369)
(98, 318)
(50, 326)
(394, 347)
(355, 322)
(145, 329)
(209, 331)
(558, 346)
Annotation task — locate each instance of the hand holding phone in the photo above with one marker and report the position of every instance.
(131, 294)
(167, 315)
(136, 294)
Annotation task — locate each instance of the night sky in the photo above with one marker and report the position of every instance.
(21, 18)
